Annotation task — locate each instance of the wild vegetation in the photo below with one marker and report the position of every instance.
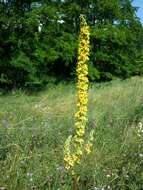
(71, 136)
(33, 130)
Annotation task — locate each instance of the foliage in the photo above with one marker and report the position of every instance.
(39, 40)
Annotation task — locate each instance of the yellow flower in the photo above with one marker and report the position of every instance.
(78, 140)
(88, 148)
(89, 144)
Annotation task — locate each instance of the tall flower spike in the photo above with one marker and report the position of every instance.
(82, 87)
(74, 150)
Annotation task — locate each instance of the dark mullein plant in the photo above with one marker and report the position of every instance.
(76, 145)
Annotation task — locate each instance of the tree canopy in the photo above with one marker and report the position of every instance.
(38, 40)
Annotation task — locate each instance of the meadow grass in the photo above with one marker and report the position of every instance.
(33, 129)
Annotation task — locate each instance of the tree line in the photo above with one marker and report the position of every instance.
(39, 39)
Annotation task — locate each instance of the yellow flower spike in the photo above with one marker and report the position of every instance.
(74, 147)
(82, 87)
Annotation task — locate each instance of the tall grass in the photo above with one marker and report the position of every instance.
(33, 129)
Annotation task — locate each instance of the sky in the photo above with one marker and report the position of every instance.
(139, 3)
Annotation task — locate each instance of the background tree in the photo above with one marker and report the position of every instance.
(39, 40)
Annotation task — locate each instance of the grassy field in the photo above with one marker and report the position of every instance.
(33, 129)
